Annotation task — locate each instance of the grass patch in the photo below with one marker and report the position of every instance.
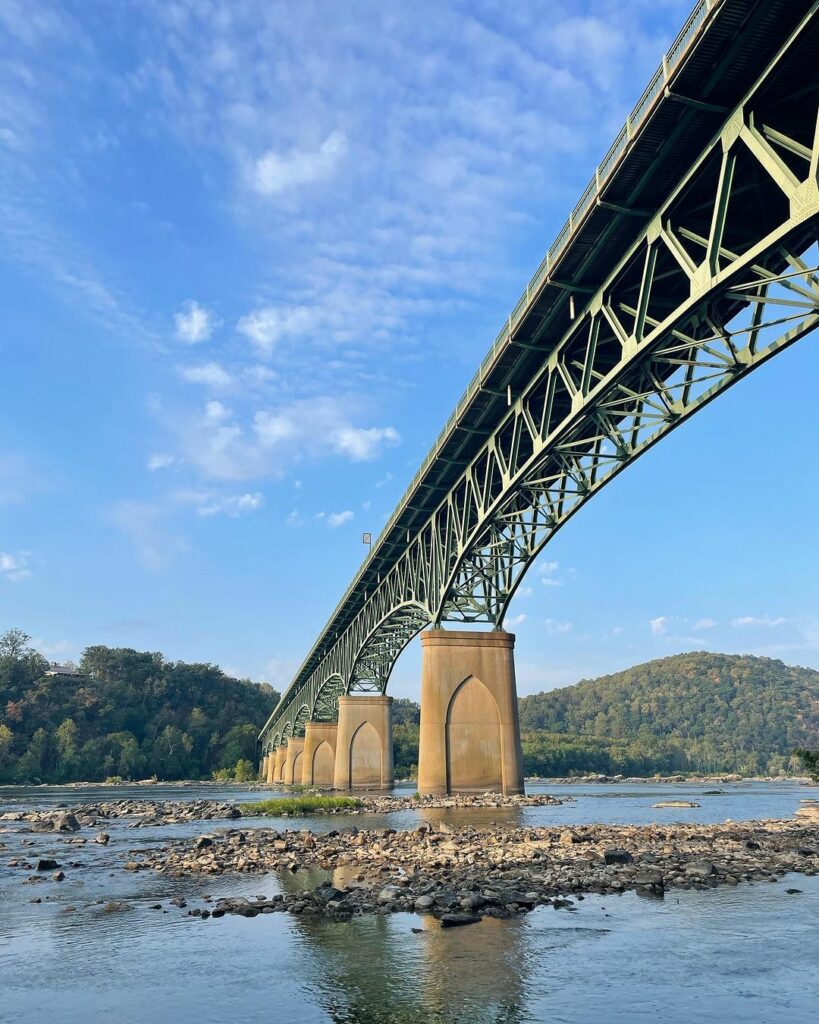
(300, 805)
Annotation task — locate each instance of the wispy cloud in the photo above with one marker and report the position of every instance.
(15, 568)
(339, 518)
(232, 505)
(222, 445)
(212, 375)
(659, 625)
(767, 621)
(193, 323)
(705, 624)
(554, 627)
(274, 172)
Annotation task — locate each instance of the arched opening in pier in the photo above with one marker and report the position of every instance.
(473, 740)
(365, 757)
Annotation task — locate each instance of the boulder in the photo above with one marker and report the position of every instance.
(67, 823)
(618, 857)
(458, 920)
(46, 864)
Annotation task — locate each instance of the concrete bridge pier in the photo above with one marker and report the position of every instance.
(275, 768)
(270, 768)
(364, 743)
(319, 753)
(263, 768)
(294, 761)
(470, 733)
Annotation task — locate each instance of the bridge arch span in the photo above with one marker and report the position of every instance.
(325, 705)
(379, 652)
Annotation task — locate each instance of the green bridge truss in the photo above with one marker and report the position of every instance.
(690, 260)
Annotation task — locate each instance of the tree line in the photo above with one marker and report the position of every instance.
(131, 714)
(134, 714)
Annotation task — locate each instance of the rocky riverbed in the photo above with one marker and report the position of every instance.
(146, 813)
(464, 875)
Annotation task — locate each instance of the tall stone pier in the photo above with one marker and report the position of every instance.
(277, 765)
(294, 760)
(470, 733)
(319, 753)
(364, 743)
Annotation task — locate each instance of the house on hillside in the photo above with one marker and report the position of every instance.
(67, 671)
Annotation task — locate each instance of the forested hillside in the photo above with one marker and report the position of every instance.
(131, 714)
(699, 711)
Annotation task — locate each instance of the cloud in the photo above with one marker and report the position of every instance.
(232, 505)
(194, 323)
(339, 518)
(15, 567)
(705, 623)
(212, 375)
(160, 460)
(266, 326)
(518, 620)
(555, 627)
(364, 444)
(761, 620)
(386, 479)
(275, 173)
(659, 625)
(223, 445)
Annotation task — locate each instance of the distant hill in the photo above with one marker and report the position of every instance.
(128, 713)
(699, 711)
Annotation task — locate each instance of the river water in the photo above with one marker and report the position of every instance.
(749, 953)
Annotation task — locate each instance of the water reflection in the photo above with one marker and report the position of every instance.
(407, 968)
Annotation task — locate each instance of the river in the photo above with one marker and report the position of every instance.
(748, 953)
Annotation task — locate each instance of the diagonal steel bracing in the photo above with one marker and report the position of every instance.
(721, 277)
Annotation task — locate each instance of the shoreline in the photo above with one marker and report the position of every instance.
(725, 778)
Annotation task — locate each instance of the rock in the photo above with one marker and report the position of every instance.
(700, 869)
(647, 877)
(67, 823)
(676, 803)
(618, 857)
(102, 838)
(58, 876)
(458, 920)
(388, 894)
(46, 864)
(203, 842)
(793, 892)
(424, 904)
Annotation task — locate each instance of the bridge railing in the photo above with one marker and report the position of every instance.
(604, 172)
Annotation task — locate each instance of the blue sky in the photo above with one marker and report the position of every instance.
(251, 254)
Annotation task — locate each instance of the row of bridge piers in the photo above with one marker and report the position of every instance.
(469, 735)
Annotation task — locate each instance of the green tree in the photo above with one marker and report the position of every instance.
(65, 741)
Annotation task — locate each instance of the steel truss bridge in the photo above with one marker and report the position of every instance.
(690, 259)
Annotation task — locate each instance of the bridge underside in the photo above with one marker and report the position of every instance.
(721, 275)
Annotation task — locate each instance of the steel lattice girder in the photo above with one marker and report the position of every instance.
(723, 277)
